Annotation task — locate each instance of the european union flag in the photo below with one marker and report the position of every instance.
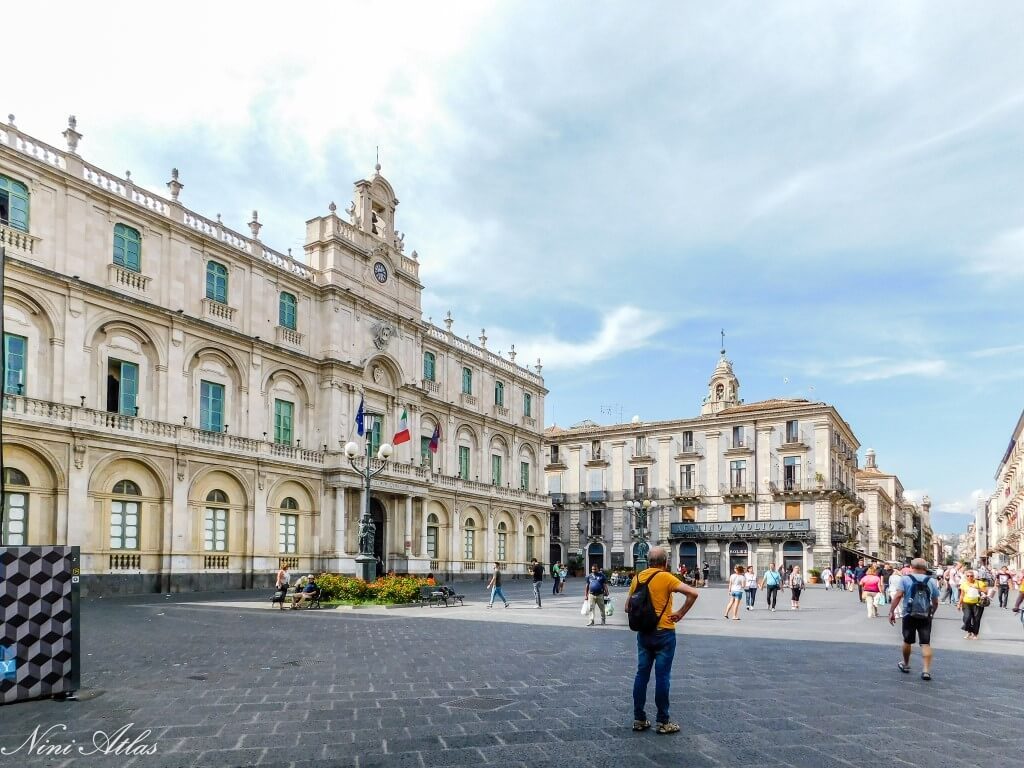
(360, 417)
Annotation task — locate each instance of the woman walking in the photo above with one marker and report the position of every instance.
(974, 596)
(751, 587)
(737, 583)
(796, 586)
(871, 583)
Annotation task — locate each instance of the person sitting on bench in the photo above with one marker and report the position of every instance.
(304, 592)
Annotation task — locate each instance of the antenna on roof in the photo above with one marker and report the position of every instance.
(613, 409)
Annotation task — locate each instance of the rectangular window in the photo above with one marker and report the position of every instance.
(524, 475)
(13, 203)
(211, 406)
(639, 480)
(432, 542)
(215, 530)
(15, 531)
(595, 522)
(554, 454)
(686, 476)
(792, 510)
(469, 544)
(737, 473)
(284, 413)
(122, 387)
(595, 449)
(739, 511)
(287, 311)
(428, 366)
(499, 393)
(791, 473)
(527, 404)
(287, 534)
(15, 352)
(792, 431)
(737, 437)
(688, 514)
(217, 282)
(688, 440)
(641, 446)
(529, 548)
(495, 470)
(124, 525)
(467, 381)
(374, 426)
(464, 462)
(426, 457)
(502, 546)
(127, 248)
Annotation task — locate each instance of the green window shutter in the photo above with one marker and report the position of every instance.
(283, 417)
(288, 311)
(17, 203)
(464, 462)
(524, 475)
(376, 425)
(211, 406)
(127, 247)
(467, 381)
(428, 366)
(15, 349)
(426, 457)
(129, 388)
(217, 282)
(496, 470)
(527, 404)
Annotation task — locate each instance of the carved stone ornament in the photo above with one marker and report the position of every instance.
(378, 374)
(382, 333)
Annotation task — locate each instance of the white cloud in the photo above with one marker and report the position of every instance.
(1008, 349)
(1002, 259)
(875, 368)
(960, 506)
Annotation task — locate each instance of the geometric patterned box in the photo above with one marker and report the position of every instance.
(39, 636)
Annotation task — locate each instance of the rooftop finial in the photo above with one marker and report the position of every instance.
(174, 185)
(483, 338)
(512, 353)
(723, 342)
(10, 120)
(332, 207)
(254, 225)
(71, 134)
(538, 367)
(376, 166)
(448, 320)
(128, 175)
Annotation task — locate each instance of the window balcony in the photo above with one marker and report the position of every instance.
(289, 336)
(468, 399)
(558, 499)
(432, 386)
(840, 532)
(737, 491)
(214, 310)
(594, 497)
(690, 451)
(120, 278)
(529, 421)
(17, 242)
(690, 493)
(739, 446)
(501, 412)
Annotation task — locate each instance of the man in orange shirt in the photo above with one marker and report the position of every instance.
(657, 649)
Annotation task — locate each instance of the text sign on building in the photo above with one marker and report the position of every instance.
(741, 529)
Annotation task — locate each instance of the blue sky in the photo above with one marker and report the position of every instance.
(840, 186)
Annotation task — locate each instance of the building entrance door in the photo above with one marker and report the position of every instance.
(738, 555)
(377, 514)
(792, 554)
(688, 556)
(595, 556)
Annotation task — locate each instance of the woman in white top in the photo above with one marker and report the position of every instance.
(737, 584)
(750, 587)
(895, 579)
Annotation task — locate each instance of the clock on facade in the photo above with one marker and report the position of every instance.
(380, 272)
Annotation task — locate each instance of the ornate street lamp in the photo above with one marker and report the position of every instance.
(366, 561)
(639, 511)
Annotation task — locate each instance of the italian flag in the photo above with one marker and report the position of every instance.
(402, 435)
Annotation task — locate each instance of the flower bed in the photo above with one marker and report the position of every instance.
(387, 590)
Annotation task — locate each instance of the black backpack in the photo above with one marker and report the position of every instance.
(642, 616)
(921, 598)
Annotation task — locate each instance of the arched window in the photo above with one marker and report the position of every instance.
(127, 247)
(288, 528)
(499, 393)
(469, 542)
(287, 311)
(15, 530)
(530, 536)
(467, 381)
(215, 527)
(432, 531)
(289, 503)
(13, 203)
(428, 366)
(124, 516)
(217, 282)
(502, 542)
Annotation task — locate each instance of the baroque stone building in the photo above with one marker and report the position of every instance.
(897, 528)
(742, 483)
(1000, 515)
(177, 393)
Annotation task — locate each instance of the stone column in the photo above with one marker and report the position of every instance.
(408, 526)
(340, 520)
(423, 529)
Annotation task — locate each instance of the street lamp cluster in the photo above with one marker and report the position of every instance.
(366, 560)
(639, 510)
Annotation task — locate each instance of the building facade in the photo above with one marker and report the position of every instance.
(1002, 511)
(897, 528)
(770, 481)
(177, 394)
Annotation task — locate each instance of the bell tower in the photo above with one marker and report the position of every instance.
(723, 387)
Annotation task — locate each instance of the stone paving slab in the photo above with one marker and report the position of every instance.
(236, 685)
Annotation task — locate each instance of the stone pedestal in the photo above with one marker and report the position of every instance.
(366, 568)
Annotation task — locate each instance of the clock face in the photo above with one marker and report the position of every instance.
(380, 272)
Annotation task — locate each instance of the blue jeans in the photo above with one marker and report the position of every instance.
(496, 592)
(536, 592)
(654, 649)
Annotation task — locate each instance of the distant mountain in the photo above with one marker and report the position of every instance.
(950, 522)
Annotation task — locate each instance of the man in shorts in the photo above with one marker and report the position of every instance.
(917, 617)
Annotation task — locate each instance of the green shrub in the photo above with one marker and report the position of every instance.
(814, 573)
(387, 589)
(397, 589)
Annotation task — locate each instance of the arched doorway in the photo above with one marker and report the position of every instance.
(378, 515)
(792, 554)
(595, 556)
(555, 553)
(688, 556)
(738, 555)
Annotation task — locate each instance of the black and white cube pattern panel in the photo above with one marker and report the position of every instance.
(38, 622)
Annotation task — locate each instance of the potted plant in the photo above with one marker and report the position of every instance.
(819, 479)
(813, 576)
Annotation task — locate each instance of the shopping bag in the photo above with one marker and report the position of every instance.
(879, 599)
(586, 607)
(609, 607)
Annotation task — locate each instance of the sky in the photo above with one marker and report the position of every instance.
(608, 185)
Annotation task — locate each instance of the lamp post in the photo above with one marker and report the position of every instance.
(639, 510)
(366, 561)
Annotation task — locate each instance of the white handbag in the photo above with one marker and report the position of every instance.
(586, 607)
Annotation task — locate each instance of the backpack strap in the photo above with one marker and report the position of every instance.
(668, 602)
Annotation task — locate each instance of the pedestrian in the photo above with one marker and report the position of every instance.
(973, 594)
(1003, 579)
(826, 578)
(871, 586)
(281, 585)
(917, 598)
(655, 647)
(771, 582)
(1020, 591)
(495, 586)
(894, 585)
(956, 578)
(796, 586)
(594, 592)
(556, 577)
(858, 573)
(737, 583)
(705, 569)
(538, 577)
(750, 586)
(563, 574)
(848, 579)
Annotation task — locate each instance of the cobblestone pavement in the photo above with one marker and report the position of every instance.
(228, 682)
